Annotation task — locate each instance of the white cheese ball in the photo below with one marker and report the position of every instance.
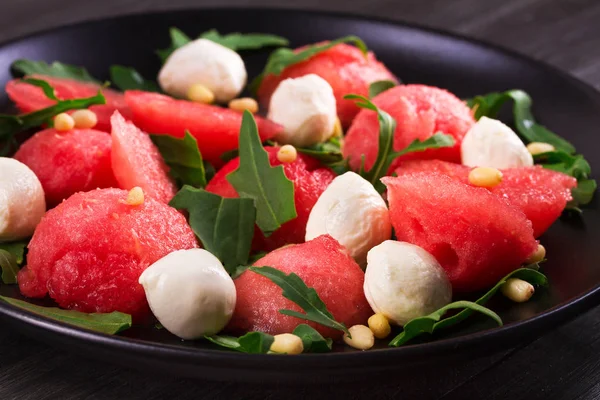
(306, 109)
(353, 213)
(190, 293)
(403, 281)
(490, 143)
(203, 61)
(22, 202)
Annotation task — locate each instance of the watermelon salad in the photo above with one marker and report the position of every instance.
(256, 223)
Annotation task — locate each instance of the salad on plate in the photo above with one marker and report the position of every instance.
(324, 201)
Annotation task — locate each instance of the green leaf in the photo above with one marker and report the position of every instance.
(244, 41)
(183, 158)
(430, 323)
(224, 226)
(111, 323)
(48, 90)
(306, 298)
(56, 69)
(127, 78)
(9, 266)
(11, 257)
(329, 152)
(10, 125)
(575, 166)
(379, 87)
(252, 342)
(17, 249)
(236, 41)
(256, 179)
(385, 153)
(178, 39)
(312, 340)
(490, 104)
(284, 57)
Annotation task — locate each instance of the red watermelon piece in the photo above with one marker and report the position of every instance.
(30, 98)
(344, 67)
(89, 252)
(137, 162)
(420, 111)
(310, 180)
(68, 162)
(324, 265)
(542, 194)
(476, 236)
(215, 128)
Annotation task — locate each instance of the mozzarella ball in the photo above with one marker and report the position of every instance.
(490, 143)
(190, 293)
(204, 62)
(22, 203)
(306, 109)
(403, 281)
(353, 213)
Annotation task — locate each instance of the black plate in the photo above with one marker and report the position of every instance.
(463, 66)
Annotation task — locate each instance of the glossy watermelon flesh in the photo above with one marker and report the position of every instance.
(323, 264)
(310, 180)
(215, 128)
(30, 98)
(540, 193)
(344, 67)
(420, 111)
(476, 236)
(137, 162)
(68, 162)
(89, 252)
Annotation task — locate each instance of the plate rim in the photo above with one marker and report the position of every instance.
(560, 313)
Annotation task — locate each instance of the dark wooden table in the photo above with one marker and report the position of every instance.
(563, 364)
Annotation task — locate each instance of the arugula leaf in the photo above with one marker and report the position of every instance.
(379, 87)
(127, 78)
(385, 155)
(11, 257)
(9, 266)
(306, 298)
(224, 226)
(56, 69)
(284, 57)
(312, 340)
(256, 179)
(490, 104)
(111, 323)
(252, 342)
(244, 41)
(433, 322)
(183, 158)
(10, 125)
(329, 152)
(178, 39)
(48, 90)
(575, 166)
(235, 41)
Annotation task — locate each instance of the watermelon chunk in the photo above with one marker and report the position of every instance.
(323, 264)
(542, 194)
(346, 69)
(68, 162)
(89, 252)
(137, 162)
(30, 98)
(476, 236)
(420, 111)
(215, 128)
(310, 180)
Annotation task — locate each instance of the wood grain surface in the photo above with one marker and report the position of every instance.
(563, 364)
